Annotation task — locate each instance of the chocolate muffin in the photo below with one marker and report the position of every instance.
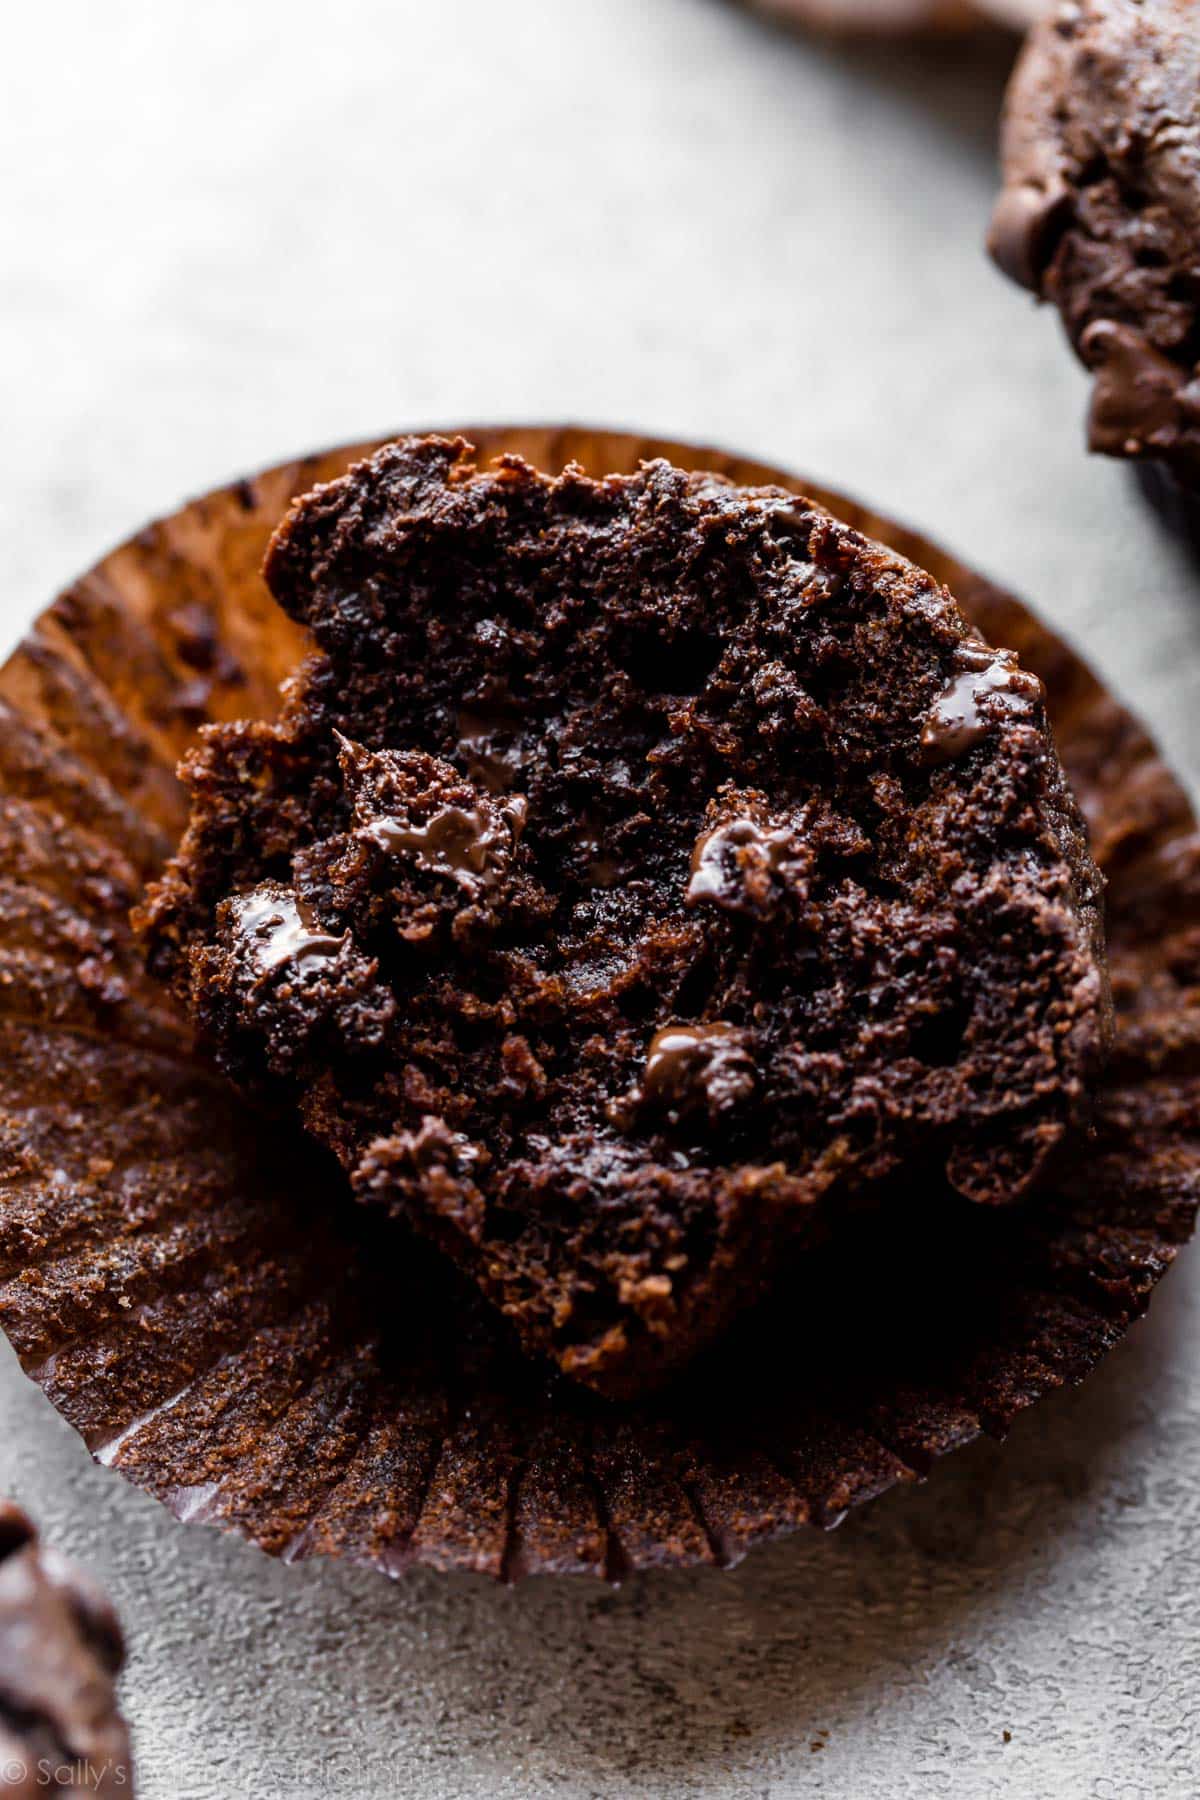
(1100, 211)
(869, 18)
(899, 18)
(60, 1651)
(645, 875)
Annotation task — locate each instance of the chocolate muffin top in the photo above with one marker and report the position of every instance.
(60, 1649)
(643, 874)
(1100, 211)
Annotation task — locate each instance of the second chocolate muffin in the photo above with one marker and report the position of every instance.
(645, 872)
(1100, 211)
(61, 1649)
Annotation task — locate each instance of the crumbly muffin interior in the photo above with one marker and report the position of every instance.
(643, 874)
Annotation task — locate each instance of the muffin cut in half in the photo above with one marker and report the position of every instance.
(644, 874)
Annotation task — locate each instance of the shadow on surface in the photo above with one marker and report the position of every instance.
(959, 85)
(1176, 513)
(957, 82)
(693, 1673)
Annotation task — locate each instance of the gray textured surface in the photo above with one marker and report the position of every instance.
(246, 229)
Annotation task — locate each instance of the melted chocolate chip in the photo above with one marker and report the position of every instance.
(697, 1065)
(279, 929)
(463, 842)
(726, 860)
(1025, 227)
(1139, 394)
(990, 689)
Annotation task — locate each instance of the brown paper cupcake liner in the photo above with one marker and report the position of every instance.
(196, 1295)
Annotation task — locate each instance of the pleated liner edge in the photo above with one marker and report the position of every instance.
(199, 1301)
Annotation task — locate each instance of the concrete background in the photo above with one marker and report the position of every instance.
(234, 232)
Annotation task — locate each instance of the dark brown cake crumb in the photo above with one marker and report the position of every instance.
(60, 1650)
(643, 872)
